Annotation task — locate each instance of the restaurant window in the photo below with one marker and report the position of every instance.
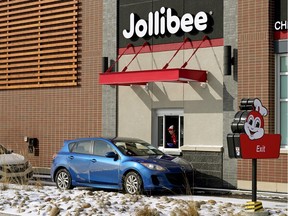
(282, 99)
(169, 127)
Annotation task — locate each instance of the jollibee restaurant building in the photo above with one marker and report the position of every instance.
(135, 68)
(189, 64)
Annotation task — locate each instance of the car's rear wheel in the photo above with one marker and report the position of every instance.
(63, 179)
(133, 183)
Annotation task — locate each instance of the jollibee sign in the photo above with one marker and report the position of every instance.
(248, 140)
(164, 21)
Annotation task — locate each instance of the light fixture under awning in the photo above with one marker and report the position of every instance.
(145, 76)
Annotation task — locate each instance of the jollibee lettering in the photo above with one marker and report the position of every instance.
(161, 21)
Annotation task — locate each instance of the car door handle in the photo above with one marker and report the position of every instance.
(71, 157)
(93, 160)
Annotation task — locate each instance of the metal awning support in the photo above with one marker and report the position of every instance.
(127, 47)
(143, 77)
(145, 44)
(185, 64)
(167, 64)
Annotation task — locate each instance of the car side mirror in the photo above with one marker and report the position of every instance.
(111, 155)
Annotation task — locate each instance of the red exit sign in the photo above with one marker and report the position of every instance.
(267, 146)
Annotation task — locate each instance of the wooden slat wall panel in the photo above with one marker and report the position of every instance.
(38, 43)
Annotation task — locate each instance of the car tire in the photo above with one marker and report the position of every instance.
(133, 183)
(63, 180)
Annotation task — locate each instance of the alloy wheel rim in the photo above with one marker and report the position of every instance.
(132, 184)
(63, 180)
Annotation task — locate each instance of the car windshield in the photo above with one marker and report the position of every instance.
(137, 148)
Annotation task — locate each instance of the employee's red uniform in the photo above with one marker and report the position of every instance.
(173, 139)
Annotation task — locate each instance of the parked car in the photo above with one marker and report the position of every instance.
(14, 167)
(125, 164)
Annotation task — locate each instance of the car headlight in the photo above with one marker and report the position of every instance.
(153, 166)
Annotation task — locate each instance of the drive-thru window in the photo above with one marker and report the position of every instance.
(168, 123)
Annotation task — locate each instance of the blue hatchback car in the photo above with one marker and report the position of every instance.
(125, 164)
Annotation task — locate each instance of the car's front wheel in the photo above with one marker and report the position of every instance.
(63, 179)
(133, 183)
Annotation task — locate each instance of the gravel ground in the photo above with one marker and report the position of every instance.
(48, 200)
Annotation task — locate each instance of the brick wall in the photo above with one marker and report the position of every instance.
(268, 170)
(256, 78)
(55, 114)
(256, 69)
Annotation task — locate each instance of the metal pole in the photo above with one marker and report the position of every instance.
(254, 180)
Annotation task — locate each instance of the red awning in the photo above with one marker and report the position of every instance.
(160, 75)
(145, 76)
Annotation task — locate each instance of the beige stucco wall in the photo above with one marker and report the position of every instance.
(263, 186)
(203, 107)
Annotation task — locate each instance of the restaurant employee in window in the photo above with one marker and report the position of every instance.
(172, 142)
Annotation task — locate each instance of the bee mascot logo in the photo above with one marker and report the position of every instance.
(254, 125)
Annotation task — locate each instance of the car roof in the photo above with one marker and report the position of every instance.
(126, 139)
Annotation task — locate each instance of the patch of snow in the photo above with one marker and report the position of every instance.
(48, 200)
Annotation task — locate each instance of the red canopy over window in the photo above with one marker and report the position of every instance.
(157, 75)
(146, 76)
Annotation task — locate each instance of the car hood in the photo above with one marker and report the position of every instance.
(11, 159)
(166, 161)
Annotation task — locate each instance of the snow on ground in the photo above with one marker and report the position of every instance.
(48, 200)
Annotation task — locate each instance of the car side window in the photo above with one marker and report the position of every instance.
(72, 146)
(83, 147)
(101, 148)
